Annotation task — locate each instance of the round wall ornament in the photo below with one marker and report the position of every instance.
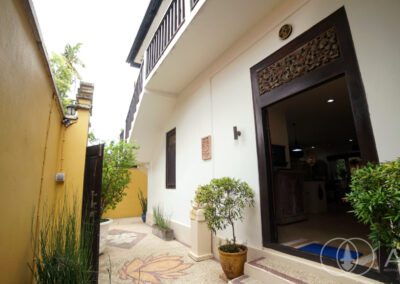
(285, 31)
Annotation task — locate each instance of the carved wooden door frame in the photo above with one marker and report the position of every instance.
(322, 53)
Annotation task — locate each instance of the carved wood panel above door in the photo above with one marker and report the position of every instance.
(319, 51)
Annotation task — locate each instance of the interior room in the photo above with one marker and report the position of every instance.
(314, 150)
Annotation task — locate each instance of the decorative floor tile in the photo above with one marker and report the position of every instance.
(123, 239)
(153, 269)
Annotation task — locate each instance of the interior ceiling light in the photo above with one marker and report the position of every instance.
(329, 101)
(350, 140)
(296, 147)
(312, 147)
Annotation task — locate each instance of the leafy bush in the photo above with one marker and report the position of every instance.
(224, 201)
(160, 219)
(63, 253)
(375, 197)
(118, 159)
(143, 201)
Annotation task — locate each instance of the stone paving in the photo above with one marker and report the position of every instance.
(134, 255)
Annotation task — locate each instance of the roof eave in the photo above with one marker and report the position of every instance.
(148, 18)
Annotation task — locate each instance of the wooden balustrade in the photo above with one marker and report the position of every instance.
(135, 99)
(169, 26)
(193, 3)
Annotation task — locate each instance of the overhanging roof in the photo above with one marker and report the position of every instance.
(148, 18)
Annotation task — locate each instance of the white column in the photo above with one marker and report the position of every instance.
(200, 236)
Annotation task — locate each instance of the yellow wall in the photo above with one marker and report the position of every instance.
(34, 143)
(130, 205)
(72, 158)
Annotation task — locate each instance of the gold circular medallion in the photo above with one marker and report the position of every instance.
(285, 31)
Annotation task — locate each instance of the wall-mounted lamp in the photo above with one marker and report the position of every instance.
(236, 133)
(71, 110)
(66, 122)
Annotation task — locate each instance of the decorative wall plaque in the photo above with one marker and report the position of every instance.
(206, 148)
(317, 52)
(285, 31)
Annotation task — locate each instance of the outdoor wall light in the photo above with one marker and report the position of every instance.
(71, 110)
(236, 133)
(66, 122)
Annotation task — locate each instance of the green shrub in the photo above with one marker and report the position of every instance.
(63, 253)
(160, 219)
(118, 158)
(375, 197)
(224, 201)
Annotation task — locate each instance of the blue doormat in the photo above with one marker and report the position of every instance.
(331, 251)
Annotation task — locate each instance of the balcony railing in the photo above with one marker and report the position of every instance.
(193, 3)
(135, 99)
(169, 26)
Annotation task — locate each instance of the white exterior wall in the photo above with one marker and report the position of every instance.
(221, 97)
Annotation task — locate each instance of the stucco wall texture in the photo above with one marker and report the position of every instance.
(34, 143)
(130, 205)
(220, 98)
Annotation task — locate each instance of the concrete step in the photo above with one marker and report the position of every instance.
(271, 266)
(267, 275)
(264, 278)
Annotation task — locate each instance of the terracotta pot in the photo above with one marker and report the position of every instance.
(233, 263)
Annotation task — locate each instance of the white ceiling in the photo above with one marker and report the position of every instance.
(217, 25)
(318, 123)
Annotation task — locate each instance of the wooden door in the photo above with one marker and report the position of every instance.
(288, 197)
(91, 206)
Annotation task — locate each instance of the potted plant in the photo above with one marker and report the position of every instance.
(161, 226)
(117, 160)
(375, 198)
(143, 204)
(224, 201)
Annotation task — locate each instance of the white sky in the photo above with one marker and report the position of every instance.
(107, 30)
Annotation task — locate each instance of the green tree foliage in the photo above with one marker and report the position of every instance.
(64, 70)
(93, 139)
(224, 201)
(71, 56)
(118, 159)
(375, 197)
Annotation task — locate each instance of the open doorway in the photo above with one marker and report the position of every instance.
(314, 150)
(319, 58)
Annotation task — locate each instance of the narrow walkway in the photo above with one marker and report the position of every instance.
(135, 255)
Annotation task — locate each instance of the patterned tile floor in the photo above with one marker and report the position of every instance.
(135, 255)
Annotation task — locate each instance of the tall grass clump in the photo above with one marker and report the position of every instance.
(64, 251)
(143, 201)
(160, 219)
